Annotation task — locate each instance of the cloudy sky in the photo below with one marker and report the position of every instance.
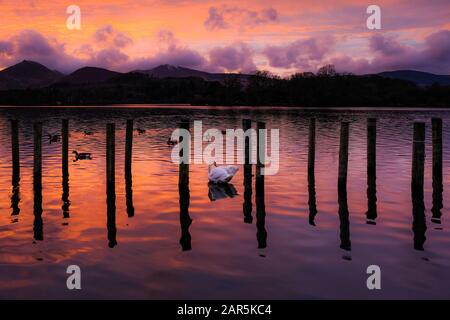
(282, 36)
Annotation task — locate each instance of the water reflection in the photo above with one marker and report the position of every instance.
(65, 169)
(38, 227)
(417, 177)
(311, 172)
(128, 172)
(261, 233)
(184, 197)
(438, 187)
(247, 206)
(111, 184)
(15, 194)
(371, 214)
(217, 191)
(342, 189)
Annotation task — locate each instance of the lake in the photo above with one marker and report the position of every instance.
(292, 235)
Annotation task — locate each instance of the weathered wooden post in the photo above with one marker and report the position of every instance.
(261, 234)
(15, 197)
(417, 181)
(261, 146)
(110, 185)
(184, 197)
(37, 182)
(128, 172)
(65, 168)
(342, 189)
(371, 213)
(438, 187)
(311, 171)
(247, 206)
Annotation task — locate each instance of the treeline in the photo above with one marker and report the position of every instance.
(326, 88)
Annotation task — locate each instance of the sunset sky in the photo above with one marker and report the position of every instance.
(283, 36)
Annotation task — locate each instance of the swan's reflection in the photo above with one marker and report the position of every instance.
(217, 191)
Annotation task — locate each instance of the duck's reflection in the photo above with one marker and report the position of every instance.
(371, 214)
(342, 189)
(37, 183)
(438, 187)
(417, 179)
(65, 169)
(217, 191)
(15, 194)
(110, 185)
(183, 190)
(311, 172)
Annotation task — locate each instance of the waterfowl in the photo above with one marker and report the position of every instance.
(82, 156)
(87, 133)
(222, 174)
(171, 142)
(140, 131)
(53, 137)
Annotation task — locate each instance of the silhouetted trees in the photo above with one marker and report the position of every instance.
(327, 88)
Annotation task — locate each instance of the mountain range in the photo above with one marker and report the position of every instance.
(31, 75)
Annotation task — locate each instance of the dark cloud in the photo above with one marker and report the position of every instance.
(225, 17)
(433, 55)
(237, 57)
(302, 54)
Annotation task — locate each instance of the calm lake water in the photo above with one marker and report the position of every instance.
(262, 246)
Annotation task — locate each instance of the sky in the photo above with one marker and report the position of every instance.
(282, 36)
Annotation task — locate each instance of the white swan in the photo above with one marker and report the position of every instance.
(222, 174)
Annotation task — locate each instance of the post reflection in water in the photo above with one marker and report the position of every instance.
(37, 182)
(110, 185)
(247, 206)
(65, 169)
(438, 187)
(371, 214)
(417, 179)
(184, 194)
(128, 172)
(342, 189)
(15, 195)
(311, 170)
(261, 233)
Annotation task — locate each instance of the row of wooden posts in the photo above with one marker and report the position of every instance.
(417, 180)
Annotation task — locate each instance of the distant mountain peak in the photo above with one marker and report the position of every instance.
(27, 74)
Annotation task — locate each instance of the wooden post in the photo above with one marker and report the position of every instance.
(110, 185)
(15, 198)
(65, 168)
(184, 167)
(438, 187)
(128, 172)
(37, 182)
(417, 181)
(184, 197)
(311, 171)
(342, 188)
(371, 213)
(343, 153)
(261, 146)
(247, 206)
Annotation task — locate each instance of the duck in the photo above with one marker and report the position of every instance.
(171, 142)
(87, 133)
(222, 174)
(53, 137)
(82, 156)
(140, 131)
